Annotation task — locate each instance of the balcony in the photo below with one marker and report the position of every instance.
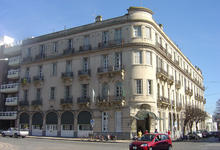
(163, 102)
(85, 48)
(170, 80)
(14, 61)
(23, 103)
(38, 79)
(67, 76)
(11, 101)
(68, 51)
(83, 101)
(9, 88)
(40, 57)
(162, 74)
(25, 81)
(66, 101)
(110, 71)
(36, 103)
(84, 74)
(177, 84)
(196, 97)
(27, 59)
(8, 115)
(108, 44)
(13, 74)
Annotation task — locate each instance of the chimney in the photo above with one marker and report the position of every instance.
(161, 26)
(98, 19)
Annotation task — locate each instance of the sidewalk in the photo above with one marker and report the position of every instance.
(78, 139)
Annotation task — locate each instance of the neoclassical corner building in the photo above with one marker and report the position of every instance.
(112, 76)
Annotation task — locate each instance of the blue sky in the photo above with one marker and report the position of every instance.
(193, 24)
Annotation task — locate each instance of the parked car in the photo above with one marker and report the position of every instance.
(205, 134)
(193, 135)
(13, 132)
(199, 133)
(152, 141)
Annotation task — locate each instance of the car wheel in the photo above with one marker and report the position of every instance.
(3, 134)
(170, 148)
(150, 148)
(23, 136)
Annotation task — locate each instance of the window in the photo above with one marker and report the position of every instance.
(67, 91)
(105, 90)
(118, 60)
(148, 32)
(105, 61)
(29, 52)
(52, 93)
(68, 66)
(137, 31)
(118, 35)
(55, 47)
(138, 86)
(25, 95)
(54, 69)
(118, 121)
(84, 90)
(70, 43)
(156, 37)
(148, 58)
(42, 50)
(40, 68)
(119, 90)
(104, 122)
(38, 94)
(86, 40)
(27, 72)
(85, 64)
(138, 57)
(105, 37)
(149, 87)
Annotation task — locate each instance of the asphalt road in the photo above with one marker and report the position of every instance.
(7, 143)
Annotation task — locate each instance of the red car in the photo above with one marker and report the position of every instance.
(152, 141)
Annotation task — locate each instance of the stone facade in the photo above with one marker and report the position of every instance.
(115, 76)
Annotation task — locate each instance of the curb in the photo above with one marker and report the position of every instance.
(78, 139)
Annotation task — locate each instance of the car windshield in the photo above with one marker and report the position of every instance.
(147, 137)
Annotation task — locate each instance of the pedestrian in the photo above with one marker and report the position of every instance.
(146, 132)
(155, 131)
(139, 134)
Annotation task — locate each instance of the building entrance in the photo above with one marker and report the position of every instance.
(143, 125)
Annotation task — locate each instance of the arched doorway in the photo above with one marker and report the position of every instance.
(37, 124)
(144, 119)
(84, 127)
(67, 124)
(24, 121)
(51, 124)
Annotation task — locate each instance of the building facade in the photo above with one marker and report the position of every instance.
(9, 85)
(115, 76)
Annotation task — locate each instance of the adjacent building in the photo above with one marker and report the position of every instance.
(9, 85)
(113, 76)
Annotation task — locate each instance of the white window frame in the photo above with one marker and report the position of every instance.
(149, 87)
(137, 31)
(148, 32)
(148, 58)
(138, 57)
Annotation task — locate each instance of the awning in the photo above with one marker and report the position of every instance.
(143, 114)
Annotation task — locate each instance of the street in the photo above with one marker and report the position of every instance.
(7, 143)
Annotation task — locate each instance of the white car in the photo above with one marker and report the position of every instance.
(199, 133)
(13, 132)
